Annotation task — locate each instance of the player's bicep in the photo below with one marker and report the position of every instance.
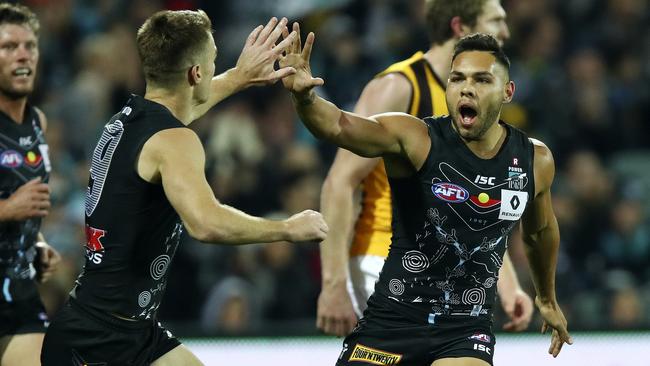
(182, 171)
(540, 213)
(537, 215)
(366, 136)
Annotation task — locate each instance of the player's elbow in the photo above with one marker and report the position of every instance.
(198, 232)
(336, 183)
(530, 238)
(201, 230)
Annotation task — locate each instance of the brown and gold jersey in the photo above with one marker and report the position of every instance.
(373, 228)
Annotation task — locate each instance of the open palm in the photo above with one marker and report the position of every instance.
(301, 81)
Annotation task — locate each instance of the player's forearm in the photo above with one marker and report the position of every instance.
(542, 251)
(320, 116)
(338, 210)
(227, 225)
(508, 282)
(5, 215)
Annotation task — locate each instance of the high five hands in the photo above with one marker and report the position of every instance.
(256, 61)
(301, 82)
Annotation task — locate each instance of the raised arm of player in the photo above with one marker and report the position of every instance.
(396, 136)
(335, 313)
(542, 237)
(175, 157)
(255, 65)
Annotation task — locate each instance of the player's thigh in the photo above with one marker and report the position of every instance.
(180, 355)
(21, 349)
(460, 361)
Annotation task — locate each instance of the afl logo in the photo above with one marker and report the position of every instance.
(11, 159)
(450, 192)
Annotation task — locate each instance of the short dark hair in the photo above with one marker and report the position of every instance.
(20, 15)
(441, 12)
(482, 42)
(169, 40)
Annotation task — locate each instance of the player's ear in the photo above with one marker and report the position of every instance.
(508, 91)
(194, 75)
(458, 27)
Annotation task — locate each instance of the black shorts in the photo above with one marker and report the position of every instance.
(383, 337)
(80, 335)
(22, 317)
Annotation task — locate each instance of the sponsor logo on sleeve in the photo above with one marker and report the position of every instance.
(373, 356)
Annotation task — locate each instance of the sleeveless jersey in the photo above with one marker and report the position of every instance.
(373, 228)
(451, 223)
(23, 157)
(132, 231)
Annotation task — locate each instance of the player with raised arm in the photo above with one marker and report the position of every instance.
(434, 299)
(147, 182)
(357, 246)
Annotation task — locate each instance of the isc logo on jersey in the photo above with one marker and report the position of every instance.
(450, 192)
(94, 246)
(11, 159)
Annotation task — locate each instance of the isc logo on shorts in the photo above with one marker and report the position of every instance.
(374, 356)
(482, 347)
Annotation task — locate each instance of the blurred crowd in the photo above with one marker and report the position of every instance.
(582, 69)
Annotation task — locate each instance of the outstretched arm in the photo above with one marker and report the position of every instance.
(175, 158)
(542, 237)
(335, 313)
(390, 134)
(255, 65)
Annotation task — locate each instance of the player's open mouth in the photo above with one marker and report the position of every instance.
(22, 72)
(468, 114)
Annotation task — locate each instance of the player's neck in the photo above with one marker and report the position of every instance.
(490, 143)
(178, 102)
(14, 108)
(439, 57)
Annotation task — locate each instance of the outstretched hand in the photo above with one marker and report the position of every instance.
(297, 57)
(256, 61)
(554, 319)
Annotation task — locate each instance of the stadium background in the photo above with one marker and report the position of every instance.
(582, 69)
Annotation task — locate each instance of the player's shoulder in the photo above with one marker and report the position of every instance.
(176, 136)
(402, 66)
(541, 149)
(387, 93)
(544, 163)
(390, 84)
(41, 117)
